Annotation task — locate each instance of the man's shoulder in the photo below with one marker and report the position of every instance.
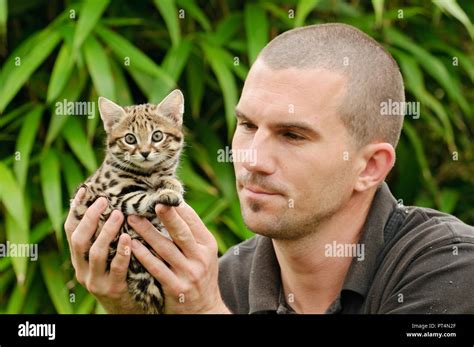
(437, 225)
(429, 266)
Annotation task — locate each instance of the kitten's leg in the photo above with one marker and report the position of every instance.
(170, 192)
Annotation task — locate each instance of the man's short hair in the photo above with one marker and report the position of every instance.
(373, 75)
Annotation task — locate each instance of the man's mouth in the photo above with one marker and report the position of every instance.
(255, 190)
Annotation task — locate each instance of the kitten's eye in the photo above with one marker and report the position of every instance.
(157, 136)
(130, 139)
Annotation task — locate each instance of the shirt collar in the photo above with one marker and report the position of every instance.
(265, 280)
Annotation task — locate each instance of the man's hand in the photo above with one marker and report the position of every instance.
(110, 288)
(186, 268)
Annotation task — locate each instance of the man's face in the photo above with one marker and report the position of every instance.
(302, 175)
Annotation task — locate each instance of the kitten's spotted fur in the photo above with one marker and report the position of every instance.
(144, 143)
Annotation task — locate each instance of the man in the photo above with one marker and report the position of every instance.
(331, 237)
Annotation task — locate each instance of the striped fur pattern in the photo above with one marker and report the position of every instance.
(144, 143)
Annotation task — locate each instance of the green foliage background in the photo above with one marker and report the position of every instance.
(137, 51)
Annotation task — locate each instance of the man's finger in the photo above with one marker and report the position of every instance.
(164, 247)
(119, 265)
(71, 221)
(177, 228)
(155, 266)
(100, 249)
(81, 237)
(195, 224)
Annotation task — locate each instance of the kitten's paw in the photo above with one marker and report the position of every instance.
(169, 197)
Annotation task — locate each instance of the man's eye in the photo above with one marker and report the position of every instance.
(293, 136)
(247, 125)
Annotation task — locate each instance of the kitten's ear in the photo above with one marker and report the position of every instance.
(110, 113)
(173, 106)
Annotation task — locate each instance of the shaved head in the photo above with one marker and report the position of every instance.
(373, 76)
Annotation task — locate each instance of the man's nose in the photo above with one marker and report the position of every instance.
(260, 155)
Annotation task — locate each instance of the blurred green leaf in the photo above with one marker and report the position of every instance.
(53, 278)
(99, 68)
(226, 82)
(17, 236)
(190, 7)
(453, 8)
(25, 142)
(61, 73)
(302, 10)
(12, 197)
(256, 28)
(448, 199)
(89, 15)
(76, 139)
(26, 65)
(169, 13)
(51, 187)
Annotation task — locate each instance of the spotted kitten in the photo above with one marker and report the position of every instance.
(144, 143)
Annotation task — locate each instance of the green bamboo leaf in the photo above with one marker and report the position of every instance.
(61, 73)
(256, 28)
(12, 197)
(133, 57)
(303, 10)
(3, 19)
(17, 76)
(122, 91)
(169, 13)
(431, 64)
(87, 305)
(16, 302)
(195, 84)
(453, 8)
(415, 140)
(226, 29)
(226, 82)
(448, 200)
(378, 9)
(51, 187)
(17, 235)
(50, 264)
(77, 140)
(70, 94)
(15, 114)
(194, 11)
(25, 142)
(72, 173)
(99, 68)
(173, 64)
(192, 180)
(176, 59)
(89, 15)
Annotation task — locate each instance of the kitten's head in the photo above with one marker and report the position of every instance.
(144, 136)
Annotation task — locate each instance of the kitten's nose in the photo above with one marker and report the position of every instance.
(144, 154)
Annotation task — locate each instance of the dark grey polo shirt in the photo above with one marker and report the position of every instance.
(417, 260)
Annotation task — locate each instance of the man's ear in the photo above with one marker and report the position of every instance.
(374, 164)
(173, 107)
(110, 112)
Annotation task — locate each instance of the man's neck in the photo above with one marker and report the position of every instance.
(312, 280)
